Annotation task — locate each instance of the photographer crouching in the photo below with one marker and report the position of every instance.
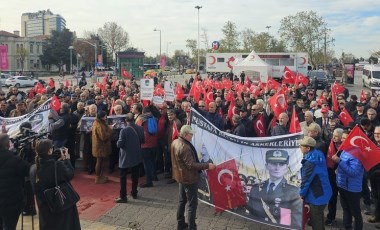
(13, 170)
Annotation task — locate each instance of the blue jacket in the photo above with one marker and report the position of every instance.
(315, 185)
(350, 172)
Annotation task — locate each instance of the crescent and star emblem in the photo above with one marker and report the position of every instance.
(286, 74)
(220, 174)
(352, 142)
(260, 128)
(281, 100)
(304, 60)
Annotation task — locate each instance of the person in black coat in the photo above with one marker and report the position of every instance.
(43, 176)
(239, 128)
(13, 171)
(130, 156)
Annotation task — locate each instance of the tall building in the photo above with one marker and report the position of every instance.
(41, 23)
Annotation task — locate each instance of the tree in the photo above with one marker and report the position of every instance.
(114, 37)
(230, 41)
(22, 53)
(191, 44)
(304, 32)
(57, 52)
(261, 42)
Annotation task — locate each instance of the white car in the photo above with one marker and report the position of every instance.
(20, 81)
(4, 77)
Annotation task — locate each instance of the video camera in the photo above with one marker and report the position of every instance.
(22, 144)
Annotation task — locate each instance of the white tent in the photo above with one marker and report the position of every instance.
(253, 67)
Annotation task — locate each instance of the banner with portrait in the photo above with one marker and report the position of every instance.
(117, 121)
(281, 206)
(86, 123)
(147, 88)
(38, 119)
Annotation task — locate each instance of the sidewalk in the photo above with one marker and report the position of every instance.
(155, 209)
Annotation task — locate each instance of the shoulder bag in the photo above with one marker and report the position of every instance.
(62, 196)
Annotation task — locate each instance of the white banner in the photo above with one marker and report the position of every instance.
(38, 118)
(255, 166)
(147, 88)
(158, 100)
(169, 91)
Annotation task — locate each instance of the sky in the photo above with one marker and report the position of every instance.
(355, 25)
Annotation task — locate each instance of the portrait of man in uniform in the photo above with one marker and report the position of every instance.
(274, 200)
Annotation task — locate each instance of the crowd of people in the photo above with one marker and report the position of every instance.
(103, 143)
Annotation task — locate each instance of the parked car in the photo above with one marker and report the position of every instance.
(4, 77)
(20, 81)
(324, 80)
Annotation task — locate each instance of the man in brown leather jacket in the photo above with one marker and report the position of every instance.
(186, 167)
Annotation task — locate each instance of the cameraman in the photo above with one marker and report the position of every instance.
(25, 150)
(13, 170)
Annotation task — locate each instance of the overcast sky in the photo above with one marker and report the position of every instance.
(355, 24)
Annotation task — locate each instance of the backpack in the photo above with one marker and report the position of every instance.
(152, 125)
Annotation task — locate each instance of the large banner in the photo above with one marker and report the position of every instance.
(38, 118)
(147, 88)
(268, 169)
(3, 57)
(118, 122)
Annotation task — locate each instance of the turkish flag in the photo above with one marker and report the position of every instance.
(294, 122)
(67, 83)
(225, 187)
(121, 94)
(218, 85)
(278, 103)
(345, 117)
(255, 90)
(112, 105)
(158, 90)
(247, 82)
(227, 84)
(337, 88)
(55, 104)
(113, 86)
(331, 152)
(259, 125)
(51, 83)
(362, 96)
(302, 79)
(289, 76)
(335, 106)
(362, 148)
(175, 133)
(321, 99)
(231, 110)
(125, 73)
(195, 91)
(38, 88)
(179, 92)
(272, 84)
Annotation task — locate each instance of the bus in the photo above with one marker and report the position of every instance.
(224, 62)
(151, 66)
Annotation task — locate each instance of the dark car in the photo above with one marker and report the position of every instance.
(324, 80)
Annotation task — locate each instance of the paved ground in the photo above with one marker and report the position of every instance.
(155, 209)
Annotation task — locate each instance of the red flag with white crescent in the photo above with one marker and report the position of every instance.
(335, 106)
(294, 122)
(345, 117)
(175, 133)
(179, 92)
(125, 73)
(362, 96)
(259, 126)
(55, 104)
(278, 103)
(289, 76)
(331, 152)
(225, 187)
(362, 148)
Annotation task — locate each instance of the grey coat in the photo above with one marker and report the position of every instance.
(130, 146)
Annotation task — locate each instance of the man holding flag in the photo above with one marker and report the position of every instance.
(186, 167)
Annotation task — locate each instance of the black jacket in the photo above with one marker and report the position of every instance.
(69, 218)
(13, 171)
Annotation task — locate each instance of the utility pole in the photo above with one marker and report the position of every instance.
(324, 56)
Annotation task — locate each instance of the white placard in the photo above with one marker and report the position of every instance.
(169, 91)
(147, 88)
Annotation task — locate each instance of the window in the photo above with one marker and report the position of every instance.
(31, 64)
(18, 64)
(38, 49)
(38, 64)
(31, 48)
(220, 59)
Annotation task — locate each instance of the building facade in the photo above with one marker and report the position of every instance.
(23, 52)
(41, 23)
(132, 62)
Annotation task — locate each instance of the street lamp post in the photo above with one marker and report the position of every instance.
(71, 58)
(198, 8)
(160, 44)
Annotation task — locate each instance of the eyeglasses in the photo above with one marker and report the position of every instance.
(97, 99)
(14, 100)
(201, 106)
